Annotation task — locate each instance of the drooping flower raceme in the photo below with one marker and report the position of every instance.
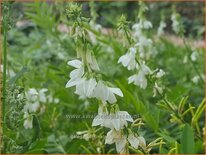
(138, 27)
(96, 27)
(142, 44)
(117, 120)
(88, 81)
(35, 102)
(140, 51)
(106, 93)
(90, 88)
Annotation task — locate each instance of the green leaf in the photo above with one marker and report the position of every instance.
(187, 145)
(198, 112)
(147, 115)
(167, 137)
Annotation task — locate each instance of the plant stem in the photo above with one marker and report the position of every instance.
(5, 24)
(130, 42)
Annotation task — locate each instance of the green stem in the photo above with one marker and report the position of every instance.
(130, 42)
(4, 65)
(170, 106)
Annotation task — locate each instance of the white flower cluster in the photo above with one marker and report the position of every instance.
(87, 80)
(143, 44)
(115, 120)
(89, 87)
(121, 140)
(160, 30)
(96, 27)
(35, 102)
(135, 58)
(176, 26)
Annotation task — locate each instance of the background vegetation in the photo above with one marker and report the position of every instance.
(37, 55)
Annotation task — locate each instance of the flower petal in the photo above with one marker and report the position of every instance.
(97, 121)
(116, 91)
(120, 144)
(73, 82)
(142, 142)
(125, 115)
(75, 63)
(116, 122)
(110, 137)
(133, 141)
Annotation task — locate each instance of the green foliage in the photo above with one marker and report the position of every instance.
(187, 140)
(38, 54)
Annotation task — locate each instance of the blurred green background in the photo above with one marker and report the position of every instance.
(192, 13)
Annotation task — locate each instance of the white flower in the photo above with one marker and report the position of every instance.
(99, 150)
(140, 78)
(56, 100)
(28, 122)
(134, 141)
(31, 107)
(32, 95)
(9, 72)
(115, 121)
(118, 138)
(142, 142)
(42, 95)
(51, 99)
(143, 24)
(143, 41)
(161, 27)
(196, 79)
(86, 88)
(157, 89)
(95, 26)
(160, 73)
(76, 74)
(185, 59)
(194, 56)
(175, 23)
(146, 24)
(92, 61)
(137, 30)
(141, 44)
(128, 60)
(106, 93)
